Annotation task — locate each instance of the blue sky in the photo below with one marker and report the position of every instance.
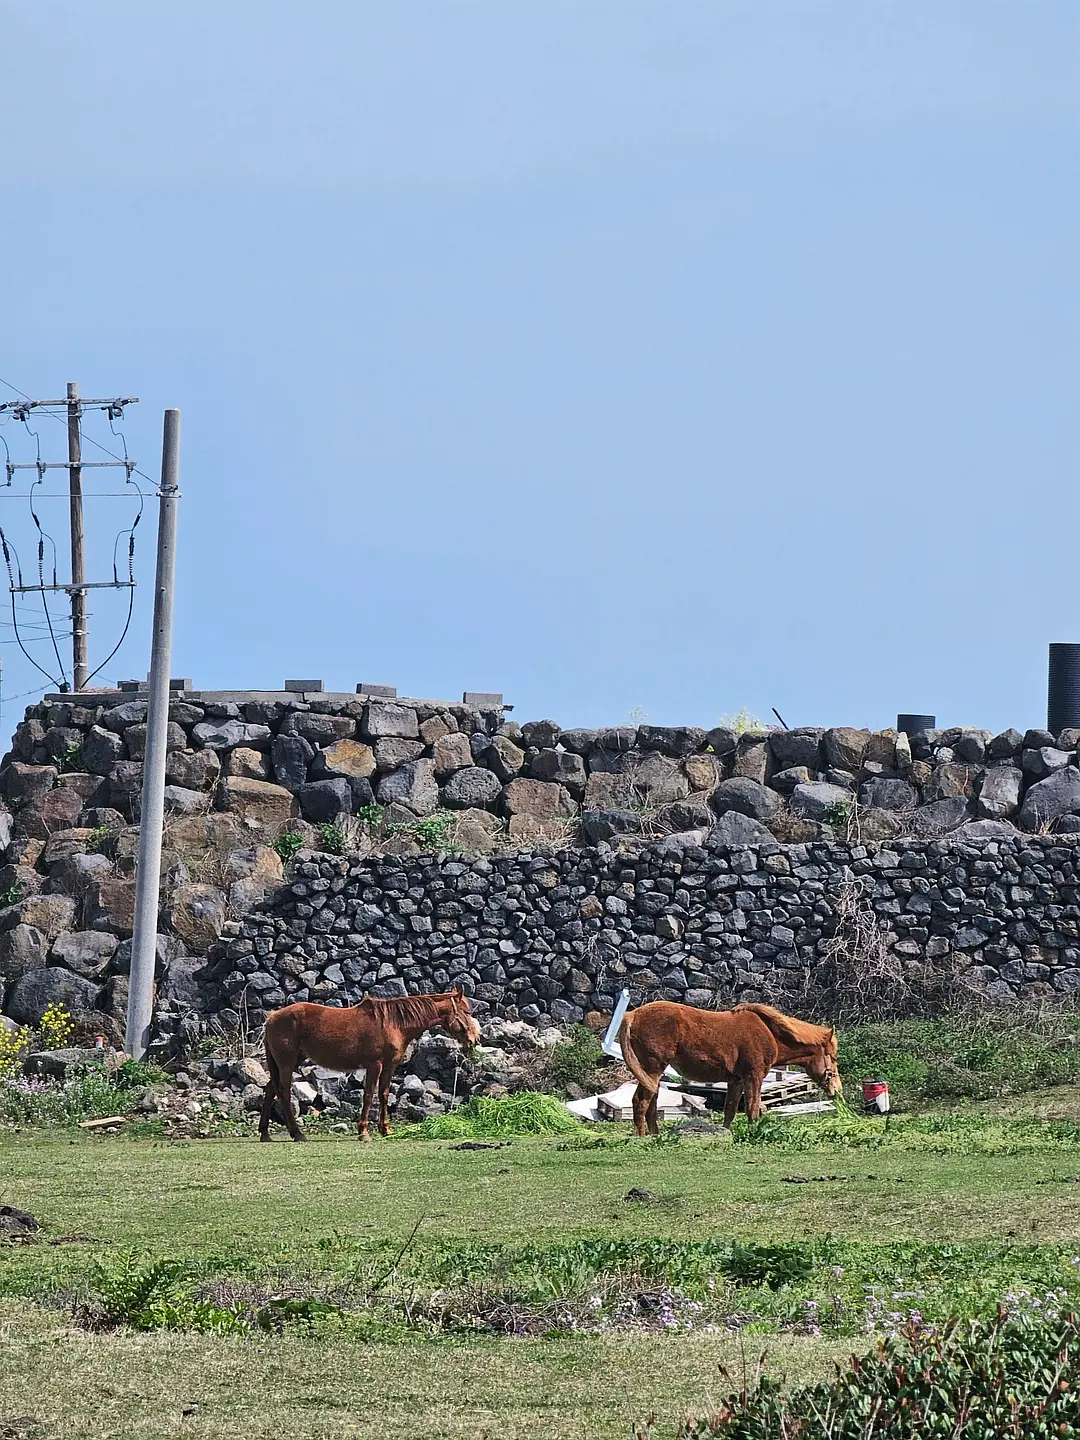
(620, 357)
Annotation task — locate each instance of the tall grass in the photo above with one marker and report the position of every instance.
(976, 1054)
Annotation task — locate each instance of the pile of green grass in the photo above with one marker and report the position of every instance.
(484, 1117)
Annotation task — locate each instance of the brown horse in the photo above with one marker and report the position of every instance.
(740, 1046)
(372, 1036)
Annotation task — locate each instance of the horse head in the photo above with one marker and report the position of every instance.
(459, 1023)
(820, 1065)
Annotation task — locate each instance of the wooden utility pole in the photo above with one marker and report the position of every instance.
(74, 406)
(80, 667)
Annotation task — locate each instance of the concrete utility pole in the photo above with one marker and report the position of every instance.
(80, 668)
(152, 813)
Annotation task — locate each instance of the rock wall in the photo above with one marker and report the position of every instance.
(548, 936)
(401, 777)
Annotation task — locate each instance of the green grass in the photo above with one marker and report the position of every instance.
(973, 1055)
(420, 1245)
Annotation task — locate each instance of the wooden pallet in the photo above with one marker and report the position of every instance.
(671, 1104)
(781, 1087)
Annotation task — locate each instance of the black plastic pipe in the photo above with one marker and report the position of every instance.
(912, 724)
(1063, 689)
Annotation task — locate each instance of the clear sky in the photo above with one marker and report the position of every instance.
(618, 356)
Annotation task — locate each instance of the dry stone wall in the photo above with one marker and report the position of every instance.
(623, 816)
(549, 936)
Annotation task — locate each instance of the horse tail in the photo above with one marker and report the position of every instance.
(271, 1058)
(633, 1063)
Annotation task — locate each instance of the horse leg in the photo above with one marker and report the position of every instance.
(731, 1104)
(269, 1096)
(384, 1099)
(650, 1116)
(643, 1099)
(285, 1078)
(753, 1096)
(371, 1081)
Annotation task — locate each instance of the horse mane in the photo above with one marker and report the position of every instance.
(407, 1009)
(787, 1028)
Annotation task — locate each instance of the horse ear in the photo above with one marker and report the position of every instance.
(456, 991)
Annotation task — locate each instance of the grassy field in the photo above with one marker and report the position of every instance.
(957, 1216)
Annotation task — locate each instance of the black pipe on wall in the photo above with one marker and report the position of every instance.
(912, 724)
(1063, 689)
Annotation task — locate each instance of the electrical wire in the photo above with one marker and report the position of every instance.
(60, 420)
(43, 535)
(26, 693)
(131, 595)
(7, 551)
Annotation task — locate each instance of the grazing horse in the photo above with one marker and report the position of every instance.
(372, 1036)
(740, 1046)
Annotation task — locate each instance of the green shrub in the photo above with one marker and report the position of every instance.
(742, 722)
(574, 1061)
(484, 1116)
(69, 759)
(288, 843)
(156, 1295)
(837, 814)
(332, 838)
(433, 831)
(371, 814)
(771, 1265)
(987, 1380)
(137, 1074)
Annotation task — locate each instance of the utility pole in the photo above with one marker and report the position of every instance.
(152, 813)
(74, 465)
(80, 669)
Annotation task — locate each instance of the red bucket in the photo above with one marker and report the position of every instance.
(875, 1094)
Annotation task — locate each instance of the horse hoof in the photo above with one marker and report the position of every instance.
(264, 1139)
(300, 1139)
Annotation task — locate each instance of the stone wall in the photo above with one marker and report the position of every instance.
(400, 777)
(550, 936)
